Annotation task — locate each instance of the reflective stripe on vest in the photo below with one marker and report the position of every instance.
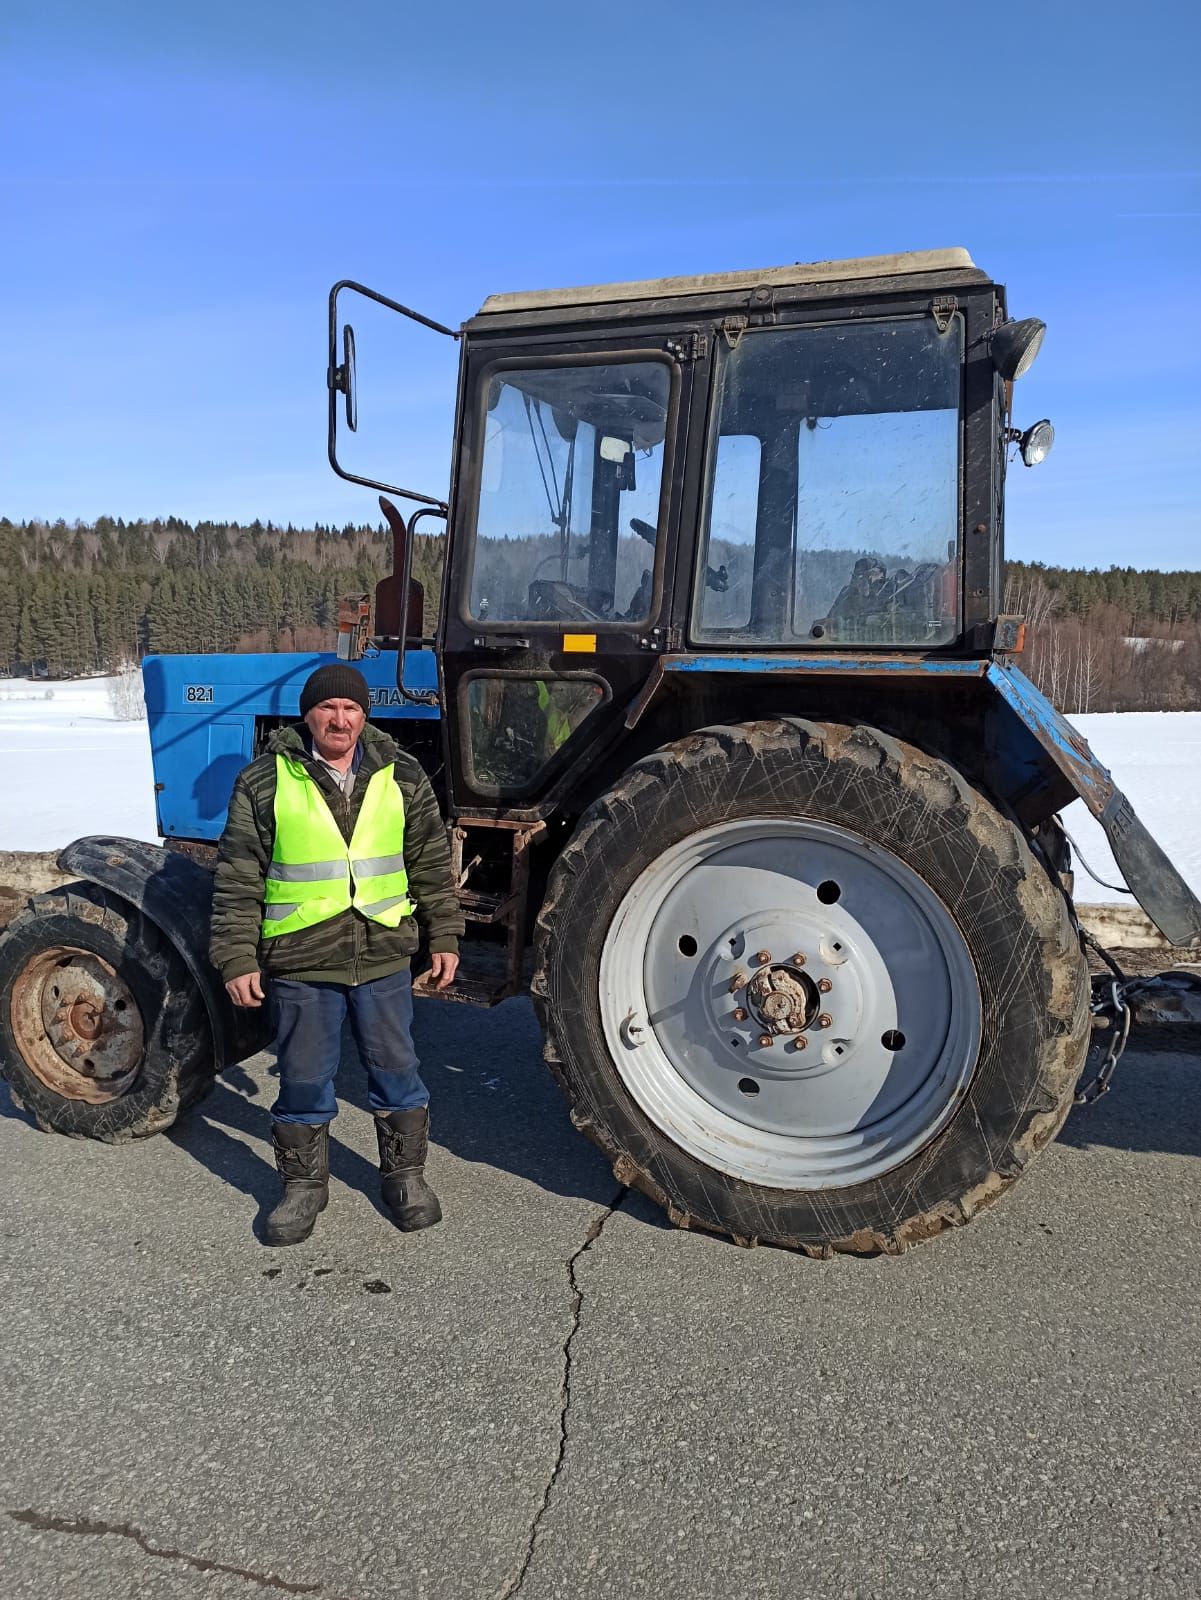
(315, 875)
(558, 723)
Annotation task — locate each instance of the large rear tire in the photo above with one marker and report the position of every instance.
(103, 1032)
(803, 984)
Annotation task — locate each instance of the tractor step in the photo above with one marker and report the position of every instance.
(491, 971)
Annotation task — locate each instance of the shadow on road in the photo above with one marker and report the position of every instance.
(492, 1101)
(203, 1136)
(1155, 1101)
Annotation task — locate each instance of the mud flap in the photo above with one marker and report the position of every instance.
(1158, 887)
(1152, 879)
(176, 894)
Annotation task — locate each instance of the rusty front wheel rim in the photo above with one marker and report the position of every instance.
(77, 1025)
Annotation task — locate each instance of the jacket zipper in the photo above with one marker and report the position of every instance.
(356, 965)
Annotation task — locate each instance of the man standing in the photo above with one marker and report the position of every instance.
(333, 852)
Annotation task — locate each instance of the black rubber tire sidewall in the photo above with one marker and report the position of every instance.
(176, 1066)
(1015, 922)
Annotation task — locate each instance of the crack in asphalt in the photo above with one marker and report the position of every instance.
(126, 1530)
(513, 1587)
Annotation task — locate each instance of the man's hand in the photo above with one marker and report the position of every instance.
(248, 991)
(443, 967)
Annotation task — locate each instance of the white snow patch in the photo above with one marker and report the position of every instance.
(70, 768)
(1155, 758)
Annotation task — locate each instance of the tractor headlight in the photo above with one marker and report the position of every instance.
(1014, 345)
(1035, 444)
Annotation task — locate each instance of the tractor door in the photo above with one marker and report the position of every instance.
(566, 511)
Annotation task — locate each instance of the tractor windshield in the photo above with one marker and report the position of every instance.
(570, 490)
(833, 495)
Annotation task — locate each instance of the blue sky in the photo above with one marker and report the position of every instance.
(180, 185)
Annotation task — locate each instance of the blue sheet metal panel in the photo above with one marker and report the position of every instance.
(270, 685)
(1067, 749)
(202, 711)
(907, 666)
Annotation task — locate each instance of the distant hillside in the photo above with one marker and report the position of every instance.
(1127, 639)
(91, 597)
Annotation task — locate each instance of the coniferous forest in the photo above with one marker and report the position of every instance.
(95, 597)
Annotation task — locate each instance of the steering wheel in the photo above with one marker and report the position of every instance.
(552, 600)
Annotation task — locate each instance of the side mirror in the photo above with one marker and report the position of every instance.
(342, 379)
(391, 410)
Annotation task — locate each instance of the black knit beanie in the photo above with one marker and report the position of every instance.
(335, 681)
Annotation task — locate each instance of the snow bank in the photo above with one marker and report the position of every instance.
(69, 767)
(1155, 757)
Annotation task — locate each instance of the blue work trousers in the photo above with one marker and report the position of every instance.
(307, 1018)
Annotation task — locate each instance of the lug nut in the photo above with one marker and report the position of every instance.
(824, 985)
(737, 981)
(740, 1014)
(798, 960)
(800, 1042)
(824, 1020)
(766, 1039)
(762, 957)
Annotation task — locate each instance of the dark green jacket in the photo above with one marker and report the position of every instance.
(349, 948)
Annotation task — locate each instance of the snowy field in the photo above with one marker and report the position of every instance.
(70, 768)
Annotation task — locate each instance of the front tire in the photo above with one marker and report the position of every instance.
(803, 984)
(103, 1033)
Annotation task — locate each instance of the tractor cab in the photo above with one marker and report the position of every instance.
(759, 464)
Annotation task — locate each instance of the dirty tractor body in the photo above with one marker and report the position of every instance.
(743, 779)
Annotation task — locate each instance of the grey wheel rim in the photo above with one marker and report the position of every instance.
(790, 1003)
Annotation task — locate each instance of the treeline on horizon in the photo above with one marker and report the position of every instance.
(92, 597)
(96, 597)
(1124, 639)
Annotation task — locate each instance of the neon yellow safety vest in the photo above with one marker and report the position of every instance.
(315, 875)
(558, 723)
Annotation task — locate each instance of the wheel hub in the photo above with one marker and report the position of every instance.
(790, 1003)
(77, 1024)
(782, 999)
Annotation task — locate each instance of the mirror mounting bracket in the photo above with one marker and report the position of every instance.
(339, 380)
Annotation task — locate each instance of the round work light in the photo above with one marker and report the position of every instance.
(1014, 345)
(1035, 444)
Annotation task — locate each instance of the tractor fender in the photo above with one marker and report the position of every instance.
(176, 894)
(1150, 876)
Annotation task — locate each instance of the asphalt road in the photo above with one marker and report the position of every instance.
(554, 1394)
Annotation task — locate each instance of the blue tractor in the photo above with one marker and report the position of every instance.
(742, 778)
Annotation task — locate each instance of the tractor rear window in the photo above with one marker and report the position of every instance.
(570, 491)
(833, 500)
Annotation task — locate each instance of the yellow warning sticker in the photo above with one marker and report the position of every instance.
(581, 643)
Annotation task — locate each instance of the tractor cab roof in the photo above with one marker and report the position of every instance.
(859, 274)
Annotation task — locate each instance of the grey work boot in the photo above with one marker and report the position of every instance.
(403, 1140)
(302, 1158)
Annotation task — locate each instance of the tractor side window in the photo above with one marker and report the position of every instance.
(833, 501)
(517, 726)
(571, 488)
(730, 568)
